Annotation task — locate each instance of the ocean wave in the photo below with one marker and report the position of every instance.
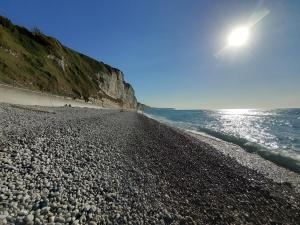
(282, 157)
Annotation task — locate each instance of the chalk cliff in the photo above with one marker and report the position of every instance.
(35, 61)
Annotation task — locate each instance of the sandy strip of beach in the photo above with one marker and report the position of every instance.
(89, 166)
(21, 96)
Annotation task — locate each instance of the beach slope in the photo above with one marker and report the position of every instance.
(89, 166)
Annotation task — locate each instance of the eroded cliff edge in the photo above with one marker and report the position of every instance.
(35, 61)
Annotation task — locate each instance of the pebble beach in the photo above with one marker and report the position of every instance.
(68, 165)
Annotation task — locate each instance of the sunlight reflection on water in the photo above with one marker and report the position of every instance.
(274, 134)
(246, 123)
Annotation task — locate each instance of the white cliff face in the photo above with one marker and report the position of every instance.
(130, 99)
(57, 69)
(59, 61)
(113, 85)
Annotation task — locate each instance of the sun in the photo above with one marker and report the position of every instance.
(238, 37)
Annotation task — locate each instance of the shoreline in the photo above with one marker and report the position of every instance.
(89, 166)
(253, 161)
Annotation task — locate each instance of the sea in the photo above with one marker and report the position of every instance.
(273, 134)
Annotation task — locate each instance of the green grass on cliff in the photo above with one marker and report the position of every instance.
(25, 60)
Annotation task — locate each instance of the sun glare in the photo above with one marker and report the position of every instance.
(236, 111)
(238, 36)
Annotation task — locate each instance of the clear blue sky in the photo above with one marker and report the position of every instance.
(166, 48)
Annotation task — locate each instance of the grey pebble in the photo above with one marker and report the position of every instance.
(87, 166)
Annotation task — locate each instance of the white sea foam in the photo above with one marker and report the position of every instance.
(272, 134)
(254, 161)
